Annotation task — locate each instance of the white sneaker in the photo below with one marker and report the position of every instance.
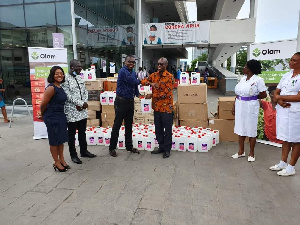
(251, 159)
(285, 173)
(277, 167)
(236, 155)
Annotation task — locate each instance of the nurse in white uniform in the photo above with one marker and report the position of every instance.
(287, 96)
(250, 88)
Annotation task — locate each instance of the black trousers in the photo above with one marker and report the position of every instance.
(163, 130)
(124, 109)
(81, 127)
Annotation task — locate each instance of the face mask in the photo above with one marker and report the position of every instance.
(153, 33)
(129, 35)
(74, 73)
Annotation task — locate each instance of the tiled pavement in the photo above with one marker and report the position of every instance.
(187, 188)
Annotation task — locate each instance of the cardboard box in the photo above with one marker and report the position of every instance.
(149, 120)
(94, 105)
(100, 82)
(192, 93)
(108, 109)
(193, 123)
(225, 105)
(108, 123)
(107, 116)
(138, 113)
(92, 114)
(94, 95)
(225, 127)
(139, 119)
(92, 85)
(93, 123)
(193, 111)
(110, 85)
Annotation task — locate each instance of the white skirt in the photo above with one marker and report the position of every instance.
(288, 124)
(246, 118)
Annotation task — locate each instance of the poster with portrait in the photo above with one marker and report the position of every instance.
(41, 60)
(176, 33)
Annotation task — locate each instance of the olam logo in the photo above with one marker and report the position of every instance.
(256, 52)
(35, 55)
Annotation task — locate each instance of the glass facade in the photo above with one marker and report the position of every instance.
(105, 30)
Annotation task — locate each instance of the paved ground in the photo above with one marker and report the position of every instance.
(187, 188)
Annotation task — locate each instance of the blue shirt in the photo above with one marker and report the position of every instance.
(127, 84)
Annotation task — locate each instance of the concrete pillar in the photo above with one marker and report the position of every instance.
(233, 63)
(74, 38)
(139, 48)
(298, 37)
(225, 64)
(252, 14)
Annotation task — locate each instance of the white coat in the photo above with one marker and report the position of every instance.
(288, 119)
(246, 112)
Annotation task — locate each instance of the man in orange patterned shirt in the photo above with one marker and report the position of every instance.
(162, 102)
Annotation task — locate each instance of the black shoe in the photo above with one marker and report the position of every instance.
(166, 155)
(60, 170)
(134, 150)
(66, 166)
(88, 155)
(113, 153)
(158, 151)
(75, 159)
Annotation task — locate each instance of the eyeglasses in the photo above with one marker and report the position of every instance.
(133, 62)
(160, 64)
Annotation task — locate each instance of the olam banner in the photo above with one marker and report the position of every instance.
(273, 50)
(176, 33)
(41, 60)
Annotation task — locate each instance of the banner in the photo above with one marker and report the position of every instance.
(41, 60)
(273, 50)
(176, 33)
(274, 58)
(58, 40)
(112, 67)
(112, 36)
(103, 63)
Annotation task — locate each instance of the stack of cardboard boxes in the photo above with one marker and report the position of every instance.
(224, 122)
(108, 115)
(94, 89)
(139, 116)
(192, 105)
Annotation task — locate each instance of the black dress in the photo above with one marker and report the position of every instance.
(55, 117)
